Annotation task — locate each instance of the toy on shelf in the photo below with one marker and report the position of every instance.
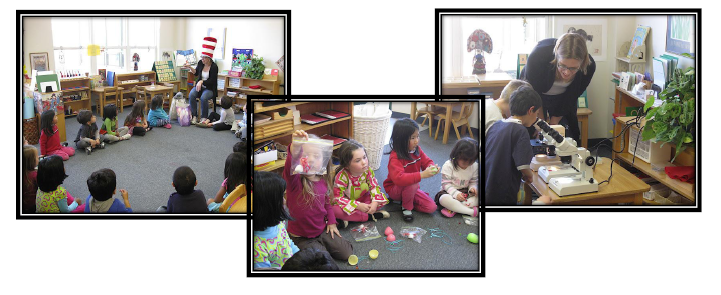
(479, 41)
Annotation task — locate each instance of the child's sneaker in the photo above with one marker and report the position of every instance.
(342, 223)
(168, 126)
(102, 145)
(126, 136)
(408, 215)
(194, 121)
(88, 150)
(447, 213)
(379, 215)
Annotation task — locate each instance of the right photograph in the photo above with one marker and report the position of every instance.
(591, 110)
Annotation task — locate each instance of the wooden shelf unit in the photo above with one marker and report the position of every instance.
(130, 87)
(271, 87)
(686, 158)
(84, 87)
(340, 127)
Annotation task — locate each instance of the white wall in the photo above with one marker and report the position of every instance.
(37, 37)
(657, 40)
(265, 35)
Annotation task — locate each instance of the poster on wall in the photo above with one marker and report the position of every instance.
(680, 34)
(593, 29)
(39, 61)
(240, 57)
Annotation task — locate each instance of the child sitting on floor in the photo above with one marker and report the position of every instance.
(185, 199)
(101, 185)
(309, 200)
(30, 182)
(225, 120)
(356, 190)
(235, 173)
(157, 117)
(135, 121)
(459, 186)
(50, 138)
(51, 197)
(407, 159)
(110, 127)
(508, 149)
(271, 244)
(89, 136)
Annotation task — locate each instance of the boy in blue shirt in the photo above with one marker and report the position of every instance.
(508, 149)
(101, 185)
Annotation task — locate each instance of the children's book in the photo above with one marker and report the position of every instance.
(638, 39)
(312, 119)
(336, 140)
(240, 56)
(331, 114)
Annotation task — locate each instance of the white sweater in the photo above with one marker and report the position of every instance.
(453, 179)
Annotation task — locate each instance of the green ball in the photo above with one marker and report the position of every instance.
(473, 238)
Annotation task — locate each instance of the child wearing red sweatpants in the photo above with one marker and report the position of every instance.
(406, 167)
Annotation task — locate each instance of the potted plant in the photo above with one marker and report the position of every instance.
(255, 68)
(674, 120)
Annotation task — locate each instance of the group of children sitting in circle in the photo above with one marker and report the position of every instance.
(305, 236)
(42, 178)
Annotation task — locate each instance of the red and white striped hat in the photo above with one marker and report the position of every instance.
(208, 47)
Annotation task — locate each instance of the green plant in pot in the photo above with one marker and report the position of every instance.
(255, 68)
(674, 120)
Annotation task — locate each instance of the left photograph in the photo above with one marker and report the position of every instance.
(142, 114)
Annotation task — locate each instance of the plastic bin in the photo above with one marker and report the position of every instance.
(371, 133)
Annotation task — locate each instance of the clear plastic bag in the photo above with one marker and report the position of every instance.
(414, 233)
(313, 157)
(365, 232)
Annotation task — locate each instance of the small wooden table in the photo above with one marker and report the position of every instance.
(175, 83)
(489, 82)
(150, 91)
(582, 116)
(449, 112)
(624, 187)
(103, 92)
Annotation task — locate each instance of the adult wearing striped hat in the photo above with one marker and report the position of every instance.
(206, 80)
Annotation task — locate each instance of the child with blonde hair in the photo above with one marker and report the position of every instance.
(309, 201)
(500, 108)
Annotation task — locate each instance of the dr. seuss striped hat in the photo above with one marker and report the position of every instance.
(208, 47)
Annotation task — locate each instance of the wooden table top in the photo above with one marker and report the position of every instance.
(155, 88)
(622, 183)
(480, 80)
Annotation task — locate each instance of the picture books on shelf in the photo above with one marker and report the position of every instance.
(639, 38)
(240, 57)
(336, 140)
(331, 114)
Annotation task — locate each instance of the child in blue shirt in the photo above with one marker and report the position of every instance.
(101, 185)
(157, 116)
(508, 149)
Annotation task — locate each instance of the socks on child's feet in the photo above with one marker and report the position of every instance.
(408, 215)
(341, 223)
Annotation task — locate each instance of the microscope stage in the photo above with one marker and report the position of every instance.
(566, 186)
(550, 172)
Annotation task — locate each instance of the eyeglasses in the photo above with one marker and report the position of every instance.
(564, 68)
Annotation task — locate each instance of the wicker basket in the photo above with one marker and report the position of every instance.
(31, 131)
(371, 132)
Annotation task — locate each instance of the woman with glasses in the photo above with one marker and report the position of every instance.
(560, 71)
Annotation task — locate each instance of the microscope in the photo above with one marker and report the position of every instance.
(564, 180)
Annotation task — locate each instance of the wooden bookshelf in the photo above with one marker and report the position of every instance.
(687, 158)
(270, 87)
(77, 86)
(130, 87)
(339, 127)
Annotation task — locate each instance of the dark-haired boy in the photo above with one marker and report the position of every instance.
(89, 135)
(186, 198)
(508, 149)
(101, 185)
(310, 259)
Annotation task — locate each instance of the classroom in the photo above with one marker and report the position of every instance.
(143, 114)
(371, 170)
(608, 103)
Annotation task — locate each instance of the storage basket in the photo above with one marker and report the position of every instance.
(649, 152)
(31, 131)
(371, 133)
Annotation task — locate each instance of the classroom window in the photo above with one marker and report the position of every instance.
(118, 38)
(511, 35)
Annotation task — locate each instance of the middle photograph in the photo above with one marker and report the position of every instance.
(367, 186)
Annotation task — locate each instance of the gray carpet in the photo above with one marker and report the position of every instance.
(144, 165)
(453, 252)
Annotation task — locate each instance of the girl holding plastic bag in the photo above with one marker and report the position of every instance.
(309, 194)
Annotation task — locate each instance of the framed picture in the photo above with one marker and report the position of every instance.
(680, 34)
(595, 29)
(39, 61)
